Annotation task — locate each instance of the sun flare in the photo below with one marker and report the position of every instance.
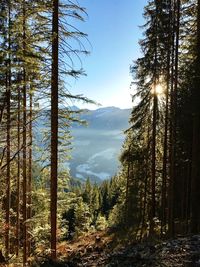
(158, 89)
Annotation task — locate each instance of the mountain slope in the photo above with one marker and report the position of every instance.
(97, 146)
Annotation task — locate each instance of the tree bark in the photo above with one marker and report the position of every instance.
(24, 171)
(173, 126)
(166, 130)
(29, 185)
(154, 129)
(8, 92)
(153, 166)
(54, 126)
(18, 173)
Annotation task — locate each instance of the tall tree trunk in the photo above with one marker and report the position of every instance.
(24, 172)
(54, 127)
(4, 100)
(8, 91)
(165, 158)
(195, 184)
(127, 190)
(174, 118)
(153, 166)
(29, 189)
(145, 202)
(166, 130)
(154, 129)
(188, 200)
(18, 173)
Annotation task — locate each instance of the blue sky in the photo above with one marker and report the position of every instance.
(112, 28)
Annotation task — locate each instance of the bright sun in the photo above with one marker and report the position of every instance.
(158, 89)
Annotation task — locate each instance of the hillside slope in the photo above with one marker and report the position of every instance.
(106, 249)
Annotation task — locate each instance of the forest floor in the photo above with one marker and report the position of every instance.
(110, 249)
(107, 249)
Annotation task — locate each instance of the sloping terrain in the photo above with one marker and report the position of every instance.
(105, 250)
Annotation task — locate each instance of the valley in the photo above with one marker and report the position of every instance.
(97, 146)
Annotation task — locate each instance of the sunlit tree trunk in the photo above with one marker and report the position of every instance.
(165, 159)
(154, 129)
(153, 166)
(24, 172)
(29, 185)
(8, 141)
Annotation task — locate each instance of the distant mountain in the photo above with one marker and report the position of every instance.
(97, 146)
(107, 118)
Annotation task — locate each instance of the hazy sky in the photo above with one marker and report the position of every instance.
(112, 28)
